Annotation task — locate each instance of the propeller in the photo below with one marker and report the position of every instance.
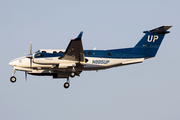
(26, 76)
(30, 48)
(30, 56)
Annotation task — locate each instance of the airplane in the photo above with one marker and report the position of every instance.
(72, 61)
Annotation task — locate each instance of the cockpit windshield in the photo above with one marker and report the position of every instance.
(37, 51)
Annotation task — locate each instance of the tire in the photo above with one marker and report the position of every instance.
(66, 85)
(72, 74)
(13, 79)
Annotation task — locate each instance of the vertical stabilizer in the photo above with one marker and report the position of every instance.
(151, 41)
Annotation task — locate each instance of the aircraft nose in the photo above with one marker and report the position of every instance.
(17, 61)
(11, 63)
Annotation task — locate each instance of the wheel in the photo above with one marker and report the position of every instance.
(13, 79)
(66, 85)
(72, 74)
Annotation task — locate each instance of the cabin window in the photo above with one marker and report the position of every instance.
(89, 53)
(43, 51)
(84, 53)
(110, 54)
(54, 52)
(60, 52)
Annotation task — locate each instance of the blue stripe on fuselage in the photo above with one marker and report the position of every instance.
(114, 53)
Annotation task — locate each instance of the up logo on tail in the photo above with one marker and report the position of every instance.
(152, 38)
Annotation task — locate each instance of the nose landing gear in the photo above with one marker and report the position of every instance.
(13, 78)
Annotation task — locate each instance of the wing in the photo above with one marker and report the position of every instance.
(74, 51)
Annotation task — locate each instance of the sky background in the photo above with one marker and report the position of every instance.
(145, 91)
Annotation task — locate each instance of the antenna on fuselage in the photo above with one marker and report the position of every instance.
(95, 48)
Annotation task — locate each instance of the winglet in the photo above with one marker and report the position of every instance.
(74, 50)
(79, 36)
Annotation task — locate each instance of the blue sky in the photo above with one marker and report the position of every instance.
(145, 91)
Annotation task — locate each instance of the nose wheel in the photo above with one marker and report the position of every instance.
(13, 79)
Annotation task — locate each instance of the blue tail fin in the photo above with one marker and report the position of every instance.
(151, 41)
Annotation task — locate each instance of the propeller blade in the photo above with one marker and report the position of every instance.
(31, 48)
(30, 55)
(26, 76)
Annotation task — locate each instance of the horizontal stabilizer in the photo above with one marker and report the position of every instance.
(160, 30)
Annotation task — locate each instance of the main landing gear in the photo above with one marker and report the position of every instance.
(67, 84)
(72, 74)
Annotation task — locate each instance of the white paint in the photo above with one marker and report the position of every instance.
(24, 65)
(152, 38)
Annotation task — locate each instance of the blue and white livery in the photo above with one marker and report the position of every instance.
(72, 61)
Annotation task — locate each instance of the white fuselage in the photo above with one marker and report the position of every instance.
(48, 63)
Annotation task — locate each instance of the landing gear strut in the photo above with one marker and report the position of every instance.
(67, 84)
(13, 78)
